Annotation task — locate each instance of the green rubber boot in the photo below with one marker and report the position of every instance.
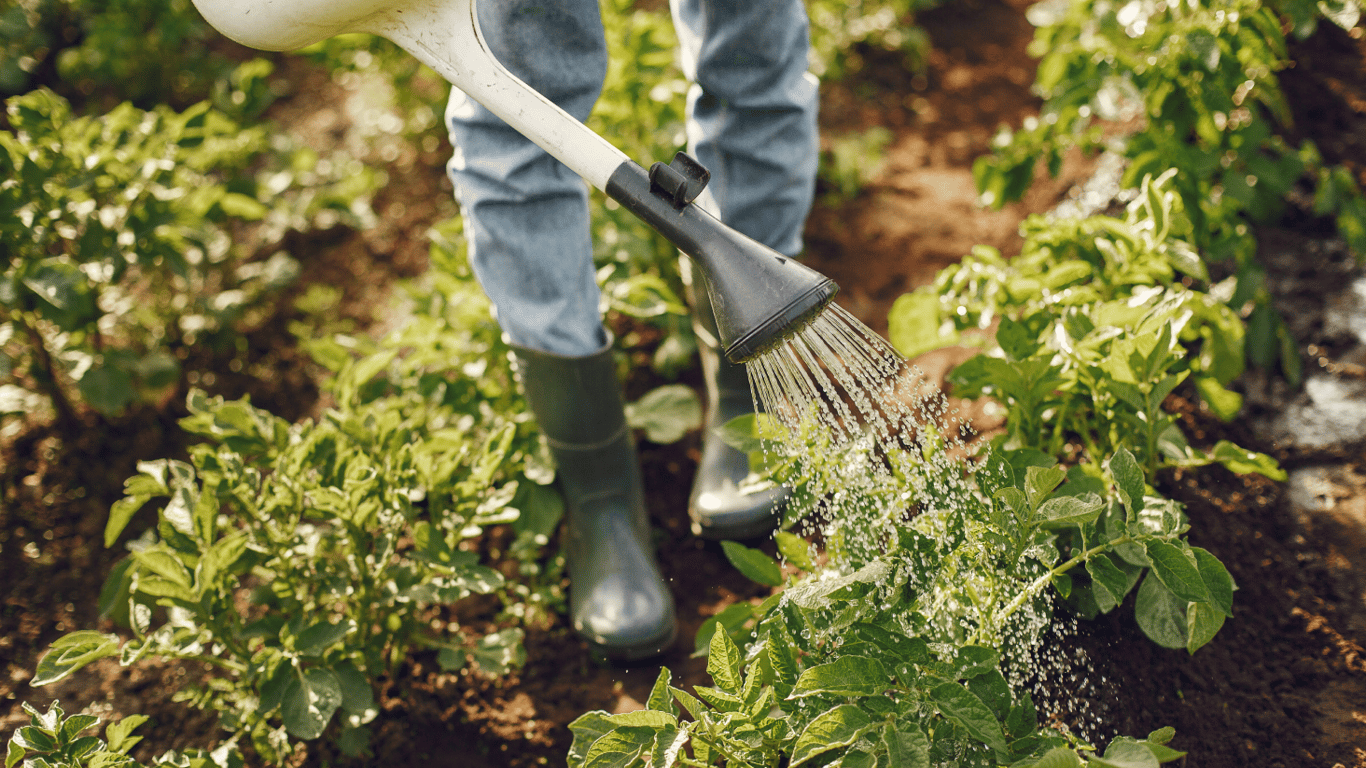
(717, 506)
(618, 599)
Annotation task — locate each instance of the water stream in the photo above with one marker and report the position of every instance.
(878, 450)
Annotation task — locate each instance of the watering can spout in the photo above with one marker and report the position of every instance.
(760, 296)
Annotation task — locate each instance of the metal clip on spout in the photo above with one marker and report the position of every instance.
(760, 296)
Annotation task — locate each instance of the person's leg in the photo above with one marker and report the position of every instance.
(752, 112)
(526, 214)
(527, 221)
(752, 123)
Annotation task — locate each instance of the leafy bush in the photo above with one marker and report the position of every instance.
(837, 28)
(915, 656)
(1201, 81)
(53, 740)
(1099, 320)
(116, 231)
(304, 561)
(1194, 87)
(145, 51)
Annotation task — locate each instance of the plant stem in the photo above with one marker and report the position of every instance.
(47, 374)
(1038, 584)
(227, 664)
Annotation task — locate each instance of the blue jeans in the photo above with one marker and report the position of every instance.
(751, 122)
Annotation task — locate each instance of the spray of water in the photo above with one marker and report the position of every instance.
(878, 452)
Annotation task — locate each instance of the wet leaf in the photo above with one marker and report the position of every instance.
(1160, 614)
(754, 564)
(1177, 571)
(309, 702)
(723, 663)
(832, 729)
(845, 676)
(965, 708)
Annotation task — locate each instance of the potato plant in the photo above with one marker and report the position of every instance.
(302, 562)
(1195, 86)
(116, 229)
(906, 658)
(53, 740)
(1096, 322)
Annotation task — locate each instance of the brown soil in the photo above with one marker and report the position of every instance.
(1284, 683)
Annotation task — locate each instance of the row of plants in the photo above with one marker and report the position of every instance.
(923, 648)
(305, 562)
(1192, 87)
(119, 231)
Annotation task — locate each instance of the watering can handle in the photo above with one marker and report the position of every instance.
(444, 35)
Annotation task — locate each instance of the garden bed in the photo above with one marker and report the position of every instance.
(1282, 685)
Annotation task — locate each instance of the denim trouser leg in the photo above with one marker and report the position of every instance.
(752, 122)
(752, 112)
(526, 214)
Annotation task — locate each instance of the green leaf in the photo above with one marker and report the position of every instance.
(1067, 511)
(1224, 403)
(1016, 340)
(1107, 576)
(241, 206)
(754, 564)
(354, 741)
(832, 729)
(1040, 482)
(660, 700)
(913, 324)
(845, 676)
(106, 388)
(35, 739)
(906, 747)
(358, 697)
(1217, 580)
(13, 754)
(165, 565)
(309, 703)
(1160, 614)
(666, 413)
(783, 659)
(795, 549)
(723, 663)
(119, 736)
(75, 724)
(1128, 477)
(963, 707)
(587, 728)
(647, 718)
(909, 649)
(1203, 622)
(1125, 754)
(316, 639)
(1058, 757)
(71, 652)
(619, 748)
(500, 652)
(542, 508)
(1244, 462)
(1177, 571)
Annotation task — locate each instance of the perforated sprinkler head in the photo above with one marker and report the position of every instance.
(760, 296)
